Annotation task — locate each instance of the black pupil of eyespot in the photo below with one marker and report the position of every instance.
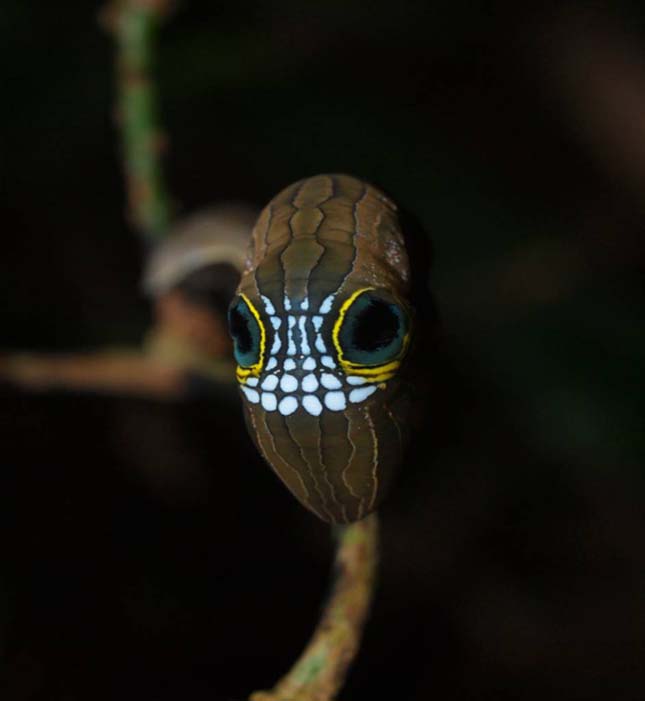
(375, 327)
(240, 331)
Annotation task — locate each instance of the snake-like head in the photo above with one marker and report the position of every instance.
(322, 326)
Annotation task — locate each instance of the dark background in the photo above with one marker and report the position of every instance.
(146, 553)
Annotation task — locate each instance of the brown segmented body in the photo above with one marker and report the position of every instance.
(332, 428)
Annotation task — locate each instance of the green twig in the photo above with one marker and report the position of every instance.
(321, 669)
(135, 25)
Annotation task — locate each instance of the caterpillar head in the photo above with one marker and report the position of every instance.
(321, 329)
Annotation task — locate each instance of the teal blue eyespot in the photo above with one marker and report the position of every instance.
(374, 330)
(247, 331)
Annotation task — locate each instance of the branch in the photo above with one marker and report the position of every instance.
(321, 669)
(135, 25)
(123, 372)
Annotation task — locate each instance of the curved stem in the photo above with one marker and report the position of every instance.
(135, 24)
(321, 669)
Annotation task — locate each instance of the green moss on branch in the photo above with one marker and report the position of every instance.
(135, 25)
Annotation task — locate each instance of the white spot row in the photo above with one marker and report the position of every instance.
(334, 401)
(289, 383)
(324, 308)
(300, 346)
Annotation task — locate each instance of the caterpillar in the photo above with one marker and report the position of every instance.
(322, 326)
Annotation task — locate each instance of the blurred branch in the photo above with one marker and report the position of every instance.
(135, 25)
(113, 372)
(321, 669)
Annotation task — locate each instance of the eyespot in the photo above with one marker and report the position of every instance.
(372, 330)
(249, 336)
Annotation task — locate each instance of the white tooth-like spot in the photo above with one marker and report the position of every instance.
(309, 383)
(304, 341)
(328, 362)
(291, 346)
(267, 305)
(272, 363)
(318, 320)
(330, 381)
(362, 393)
(320, 344)
(309, 364)
(269, 401)
(325, 307)
(276, 345)
(288, 383)
(312, 405)
(270, 382)
(287, 405)
(252, 382)
(251, 394)
(335, 401)
(289, 364)
(355, 380)
(276, 322)
(305, 304)
(287, 303)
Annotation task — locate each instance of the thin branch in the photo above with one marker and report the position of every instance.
(321, 669)
(135, 25)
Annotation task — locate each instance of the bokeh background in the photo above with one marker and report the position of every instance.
(146, 553)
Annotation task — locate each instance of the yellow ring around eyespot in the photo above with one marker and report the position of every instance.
(373, 373)
(254, 370)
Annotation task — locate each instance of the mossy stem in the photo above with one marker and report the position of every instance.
(135, 25)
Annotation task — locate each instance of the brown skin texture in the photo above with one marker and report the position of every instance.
(126, 371)
(331, 235)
